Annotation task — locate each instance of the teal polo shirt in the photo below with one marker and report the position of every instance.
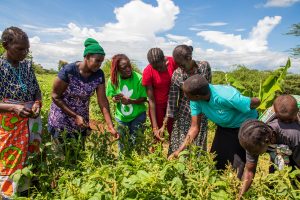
(226, 107)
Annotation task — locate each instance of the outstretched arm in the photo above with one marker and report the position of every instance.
(192, 134)
(152, 106)
(104, 107)
(249, 173)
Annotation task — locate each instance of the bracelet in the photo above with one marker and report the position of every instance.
(165, 123)
(154, 128)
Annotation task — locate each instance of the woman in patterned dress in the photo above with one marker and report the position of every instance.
(178, 104)
(20, 103)
(72, 89)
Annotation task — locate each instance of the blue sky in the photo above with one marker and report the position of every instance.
(223, 32)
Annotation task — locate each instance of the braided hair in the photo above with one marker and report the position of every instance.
(155, 55)
(254, 135)
(114, 68)
(13, 34)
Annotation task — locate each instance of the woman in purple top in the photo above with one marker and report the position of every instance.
(72, 89)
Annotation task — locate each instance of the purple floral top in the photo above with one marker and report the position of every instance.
(77, 97)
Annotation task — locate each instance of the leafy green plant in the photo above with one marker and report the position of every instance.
(272, 86)
(268, 90)
(100, 172)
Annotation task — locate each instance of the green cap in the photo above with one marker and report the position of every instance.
(92, 47)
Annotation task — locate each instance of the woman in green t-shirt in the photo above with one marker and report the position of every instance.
(126, 89)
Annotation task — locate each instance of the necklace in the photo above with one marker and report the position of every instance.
(19, 78)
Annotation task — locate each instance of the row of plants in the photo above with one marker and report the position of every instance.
(99, 171)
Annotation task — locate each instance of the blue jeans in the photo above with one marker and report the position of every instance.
(128, 130)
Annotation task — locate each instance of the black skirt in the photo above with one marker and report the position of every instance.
(227, 148)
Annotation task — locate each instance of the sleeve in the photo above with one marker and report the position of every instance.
(63, 74)
(147, 76)
(206, 70)
(101, 76)
(251, 158)
(238, 101)
(110, 90)
(173, 95)
(274, 125)
(195, 108)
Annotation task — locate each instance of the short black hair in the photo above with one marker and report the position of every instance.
(12, 34)
(285, 106)
(155, 55)
(196, 85)
(182, 51)
(254, 135)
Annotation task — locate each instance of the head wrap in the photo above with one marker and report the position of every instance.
(92, 47)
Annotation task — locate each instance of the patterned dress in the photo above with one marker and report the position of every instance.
(10, 87)
(77, 97)
(18, 136)
(179, 108)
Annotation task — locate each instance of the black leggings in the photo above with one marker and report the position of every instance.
(227, 147)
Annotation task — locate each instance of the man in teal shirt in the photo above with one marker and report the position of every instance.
(228, 109)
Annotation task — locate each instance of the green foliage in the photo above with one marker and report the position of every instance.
(2, 50)
(250, 83)
(100, 172)
(295, 30)
(61, 63)
(272, 86)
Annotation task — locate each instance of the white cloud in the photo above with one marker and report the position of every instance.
(280, 3)
(256, 42)
(130, 34)
(197, 29)
(252, 51)
(240, 29)
(212, 24)
(179, 39)
(227, 60)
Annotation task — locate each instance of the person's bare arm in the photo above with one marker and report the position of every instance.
(104, 107)
(59, 87)
(19, 109)
(152, 107)
(126, 100)
(249, 173)
(192, 134)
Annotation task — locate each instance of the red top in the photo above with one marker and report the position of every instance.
(160, 81)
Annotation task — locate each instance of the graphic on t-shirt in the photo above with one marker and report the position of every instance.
(126, 109)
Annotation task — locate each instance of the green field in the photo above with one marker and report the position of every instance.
(100, 172)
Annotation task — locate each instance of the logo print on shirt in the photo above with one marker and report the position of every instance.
(126, 109)
(220, 111)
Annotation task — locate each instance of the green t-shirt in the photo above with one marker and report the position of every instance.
(131, 88)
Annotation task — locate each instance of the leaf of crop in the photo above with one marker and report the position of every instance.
(219, 195)
(27, 172)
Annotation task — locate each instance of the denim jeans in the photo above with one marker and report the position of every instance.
(132, 128)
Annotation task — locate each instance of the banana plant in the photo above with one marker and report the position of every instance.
(268, 90)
